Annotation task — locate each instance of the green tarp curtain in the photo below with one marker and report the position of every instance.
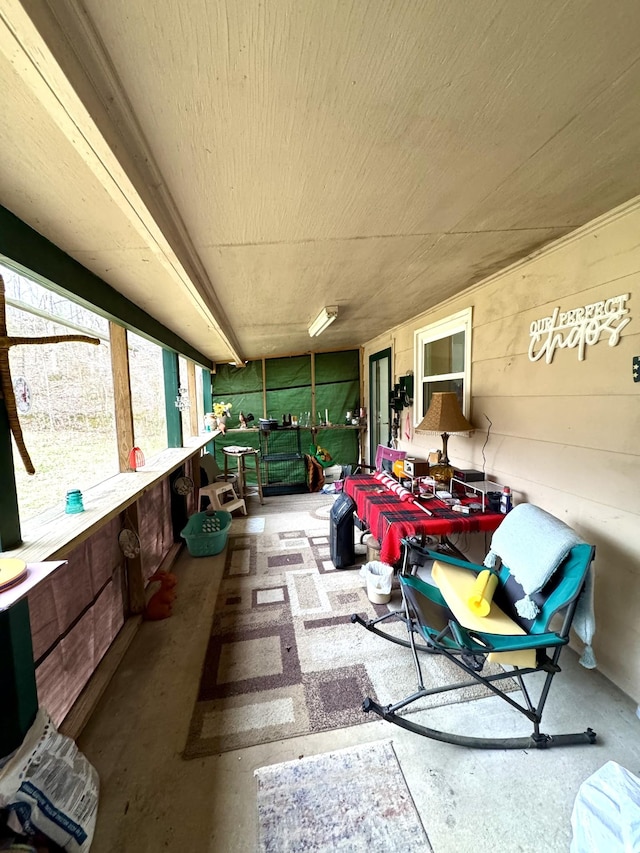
(288, 382)
(289, 392)
(338, 392)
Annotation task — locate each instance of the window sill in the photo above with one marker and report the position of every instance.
(53, 534)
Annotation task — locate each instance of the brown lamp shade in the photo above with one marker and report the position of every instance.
(444, 416)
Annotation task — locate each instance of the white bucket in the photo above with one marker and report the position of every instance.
(379, 577)
(332, 473)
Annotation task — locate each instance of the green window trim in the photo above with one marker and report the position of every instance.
(32, 255)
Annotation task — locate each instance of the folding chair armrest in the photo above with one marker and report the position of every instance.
(464, 639)
(443, 558)
(454, 561)
(514, 643)
(503, 642)
(432, 593)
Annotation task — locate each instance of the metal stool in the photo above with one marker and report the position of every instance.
(215, 492)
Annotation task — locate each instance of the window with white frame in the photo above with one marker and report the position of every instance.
(442, 353)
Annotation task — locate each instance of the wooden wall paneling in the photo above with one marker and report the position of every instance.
(107, 567)
(58, 601)
(169, 533)
(65, 672)
(87, 701)
(193, 398)
(150, 530)
(76, 614)
(157, 523)
(135, 602)
(122, 395)
(112, 634)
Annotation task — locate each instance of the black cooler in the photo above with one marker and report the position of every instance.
(343, 552)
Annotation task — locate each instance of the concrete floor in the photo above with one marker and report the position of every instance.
(469, 800)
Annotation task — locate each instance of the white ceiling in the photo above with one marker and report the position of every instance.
(234, 165)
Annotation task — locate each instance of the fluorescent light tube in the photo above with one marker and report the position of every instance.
(324, 319)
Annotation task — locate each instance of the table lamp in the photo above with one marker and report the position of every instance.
(444, 416)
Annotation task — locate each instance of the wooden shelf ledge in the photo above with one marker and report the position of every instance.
(53, 534)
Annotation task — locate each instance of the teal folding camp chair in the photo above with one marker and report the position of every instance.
(437, 617)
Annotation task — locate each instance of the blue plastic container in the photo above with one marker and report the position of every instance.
(206, 532)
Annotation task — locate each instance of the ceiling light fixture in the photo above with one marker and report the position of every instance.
(324, 319)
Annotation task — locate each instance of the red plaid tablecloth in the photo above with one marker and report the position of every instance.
(391, 519)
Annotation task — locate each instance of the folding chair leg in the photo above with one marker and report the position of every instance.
(370, 625)
(533, 713)
(534, 741)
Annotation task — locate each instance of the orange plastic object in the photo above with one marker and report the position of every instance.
(398, 468)
(136, 458)
(160, 604)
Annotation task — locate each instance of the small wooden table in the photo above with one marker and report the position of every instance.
(240, 454)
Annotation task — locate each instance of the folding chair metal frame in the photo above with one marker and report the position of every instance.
(469, 649)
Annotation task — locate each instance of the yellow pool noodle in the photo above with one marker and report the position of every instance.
(479, 602)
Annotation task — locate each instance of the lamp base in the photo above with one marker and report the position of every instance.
(441, 473)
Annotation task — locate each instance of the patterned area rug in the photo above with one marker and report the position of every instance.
(353, 799)
(284, 658)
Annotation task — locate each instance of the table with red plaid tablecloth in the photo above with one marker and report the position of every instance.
(391, 518)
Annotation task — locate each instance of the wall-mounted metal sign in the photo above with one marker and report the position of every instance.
(579, 328)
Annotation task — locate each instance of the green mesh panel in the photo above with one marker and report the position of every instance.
(337, 385)
(341, 444)
(337, 366)
(242, 387)
(234, 380)
(288, 386)
(294, 371)
(288, 391)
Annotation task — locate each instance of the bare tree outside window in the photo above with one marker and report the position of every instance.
(68, 421)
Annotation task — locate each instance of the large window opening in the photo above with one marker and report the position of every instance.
(146, 378)
(64, 393)
(443, 361)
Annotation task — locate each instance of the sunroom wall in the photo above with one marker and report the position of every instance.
(564, 435)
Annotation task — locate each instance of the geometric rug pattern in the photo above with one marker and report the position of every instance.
(353, 799)
(283, 658)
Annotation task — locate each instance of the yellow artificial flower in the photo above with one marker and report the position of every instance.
(220, 409)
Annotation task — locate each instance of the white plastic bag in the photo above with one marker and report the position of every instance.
(49, 786)
(379, 577)
(606, 812)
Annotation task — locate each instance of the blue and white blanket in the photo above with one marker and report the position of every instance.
(533, 544)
